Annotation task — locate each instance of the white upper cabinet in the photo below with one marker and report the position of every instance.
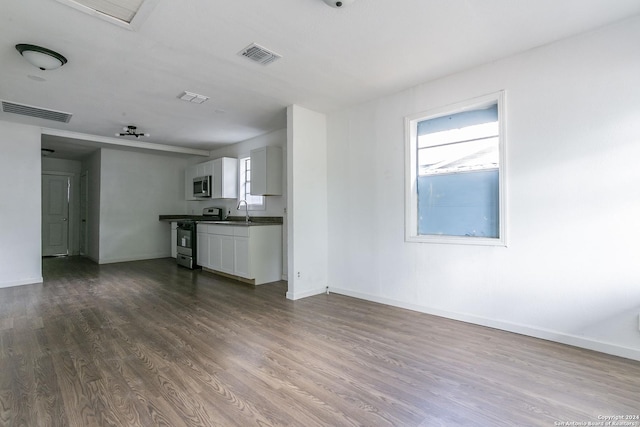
(224, 178)
(205, 169)
(224, 183)
(189, 173)
(266, 171)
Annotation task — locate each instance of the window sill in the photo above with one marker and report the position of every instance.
(456, 240)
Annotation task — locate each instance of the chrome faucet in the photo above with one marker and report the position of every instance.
(246, 210)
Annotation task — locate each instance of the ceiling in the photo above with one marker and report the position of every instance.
(331, 58)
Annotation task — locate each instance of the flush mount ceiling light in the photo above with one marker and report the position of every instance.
(338, 4)
(41, 57)
(131, 131)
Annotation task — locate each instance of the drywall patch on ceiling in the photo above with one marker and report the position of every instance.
(125, 13)
(37, 112)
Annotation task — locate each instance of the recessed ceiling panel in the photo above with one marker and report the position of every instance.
(122, 10)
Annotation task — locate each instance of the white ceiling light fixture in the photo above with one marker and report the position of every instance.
(338, 4)
(41, 57)
(131, 131)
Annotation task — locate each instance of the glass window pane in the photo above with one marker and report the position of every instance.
(458, 168)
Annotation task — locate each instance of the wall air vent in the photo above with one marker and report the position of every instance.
(259, 54)
(40, 113)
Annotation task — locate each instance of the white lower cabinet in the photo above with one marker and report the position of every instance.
(214, 261)
(253, 253)
(174, 239)
(202, 247)
(227, 255)
(241, 256)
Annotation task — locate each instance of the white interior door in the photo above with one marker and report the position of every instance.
(84, 213)
(55, 215)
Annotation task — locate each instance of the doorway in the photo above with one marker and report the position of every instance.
(55, 214)
(84, 213)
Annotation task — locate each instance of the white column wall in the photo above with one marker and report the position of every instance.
(91, 165)
(20, 205)
(571, 271)
(306, 202)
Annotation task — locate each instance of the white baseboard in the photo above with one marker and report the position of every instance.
(21, 282)
(305, 294)
(132, 258)
(545, 334)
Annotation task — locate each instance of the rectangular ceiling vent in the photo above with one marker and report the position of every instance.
(259, 54)
(40, 113)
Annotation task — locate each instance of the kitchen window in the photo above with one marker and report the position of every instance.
(255, 203)
(455, 174)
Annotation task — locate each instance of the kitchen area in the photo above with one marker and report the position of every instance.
(229, 231)
(136, 199)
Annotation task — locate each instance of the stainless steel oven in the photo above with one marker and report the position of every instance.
(186, 244)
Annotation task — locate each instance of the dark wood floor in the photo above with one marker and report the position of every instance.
(150, 344)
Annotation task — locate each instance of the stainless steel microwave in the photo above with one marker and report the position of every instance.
(202, 187)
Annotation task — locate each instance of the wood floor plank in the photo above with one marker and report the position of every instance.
(149, 343)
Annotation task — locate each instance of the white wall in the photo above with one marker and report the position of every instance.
(73, 169)
(20, 205)
(135, 188)
(307, 202)
(91, 165)
(571, 271)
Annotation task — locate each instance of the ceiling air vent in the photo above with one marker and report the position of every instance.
(40, 113)
(259, 54)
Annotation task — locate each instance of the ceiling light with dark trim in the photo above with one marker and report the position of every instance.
(337, 3)
(41, 57)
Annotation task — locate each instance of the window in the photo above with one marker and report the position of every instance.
(255, 203)
(455, 174)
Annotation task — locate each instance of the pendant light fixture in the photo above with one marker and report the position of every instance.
(131, 131)
(41, 57)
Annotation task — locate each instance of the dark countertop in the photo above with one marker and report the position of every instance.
(231, 220)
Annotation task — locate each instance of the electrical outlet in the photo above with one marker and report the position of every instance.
(298, 274)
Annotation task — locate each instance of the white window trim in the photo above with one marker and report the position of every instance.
(411, 188)
(252, 206)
